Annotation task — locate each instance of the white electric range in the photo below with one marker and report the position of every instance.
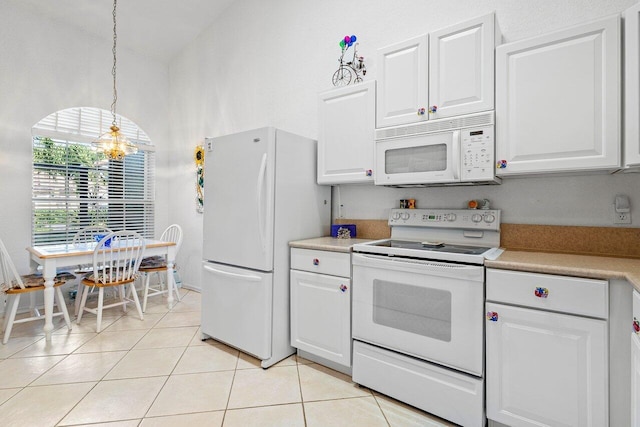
(418, 310)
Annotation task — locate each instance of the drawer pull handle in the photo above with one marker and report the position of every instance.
(316, 261)
(541, 292)
(343, 288)
(636, 326)
(492, 315)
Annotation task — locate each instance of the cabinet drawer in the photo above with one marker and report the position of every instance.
(564, 294)
(325, 262)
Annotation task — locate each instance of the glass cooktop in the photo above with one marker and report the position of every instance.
(433, 247)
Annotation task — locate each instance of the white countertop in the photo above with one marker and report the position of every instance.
(595, 267)
(328, 244)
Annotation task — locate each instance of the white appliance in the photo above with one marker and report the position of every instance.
(452, 151)
(418, 310)
(260, 193)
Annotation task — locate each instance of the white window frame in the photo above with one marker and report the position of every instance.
(115, 194)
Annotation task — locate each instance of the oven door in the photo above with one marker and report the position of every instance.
(428, 309)
(418, 159)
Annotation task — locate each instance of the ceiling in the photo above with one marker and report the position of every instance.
(158, 28)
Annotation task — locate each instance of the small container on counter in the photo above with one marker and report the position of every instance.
(343, 231)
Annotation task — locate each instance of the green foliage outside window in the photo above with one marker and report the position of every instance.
(71, 171)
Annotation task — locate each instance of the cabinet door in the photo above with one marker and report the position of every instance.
(558, 100)
(635, 380)
(403, 83)
(635, 362)
(345, 135)
(545, 368)
(461, 68)
(632, 86)
(321, 315)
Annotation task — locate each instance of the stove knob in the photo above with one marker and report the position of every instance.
(489, 218)
(396, 215)
(451, 217)
(476, 217)
(404, 216)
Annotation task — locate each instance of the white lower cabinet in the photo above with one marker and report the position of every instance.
(635, 362)
(321, 305)
(546, 368)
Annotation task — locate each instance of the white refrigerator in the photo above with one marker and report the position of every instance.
(260, 192)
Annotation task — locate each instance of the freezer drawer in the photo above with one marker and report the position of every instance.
(237, 308)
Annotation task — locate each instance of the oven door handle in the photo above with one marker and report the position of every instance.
(378, 260)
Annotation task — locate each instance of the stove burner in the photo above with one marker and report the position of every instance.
(433, 247)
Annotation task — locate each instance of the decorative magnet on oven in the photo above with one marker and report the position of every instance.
(343, 288)
(421, 111)
(492, 315)
(316, 261)
(636, 326)
(541, 292)
(501, 164)
(368, 172)
(433, 109)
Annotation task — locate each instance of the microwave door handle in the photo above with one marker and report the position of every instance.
(455, 153)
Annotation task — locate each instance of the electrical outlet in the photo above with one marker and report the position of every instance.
(621, 217)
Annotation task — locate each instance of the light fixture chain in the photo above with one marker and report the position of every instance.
(113, 70)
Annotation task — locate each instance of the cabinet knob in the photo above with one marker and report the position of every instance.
(421, 111)
(636, 326)
(492, 315)
(343, 288)
(433, 109)
(368, 172)
(541, 292)
(316, 261)
(501, 164)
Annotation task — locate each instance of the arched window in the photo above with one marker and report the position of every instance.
(75, 186)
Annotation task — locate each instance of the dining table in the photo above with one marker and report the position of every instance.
(54, 257)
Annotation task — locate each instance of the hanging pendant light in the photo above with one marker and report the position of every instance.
(113, 143)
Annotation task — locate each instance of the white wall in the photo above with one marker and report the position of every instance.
(263, 63)
(46, 67)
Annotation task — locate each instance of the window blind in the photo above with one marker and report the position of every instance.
(75, 186)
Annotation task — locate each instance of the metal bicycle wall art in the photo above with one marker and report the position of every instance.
(350, 71)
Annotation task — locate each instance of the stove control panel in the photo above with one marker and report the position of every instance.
(474, 219)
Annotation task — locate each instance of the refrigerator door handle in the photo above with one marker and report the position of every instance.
(247, 277)
(261, 177)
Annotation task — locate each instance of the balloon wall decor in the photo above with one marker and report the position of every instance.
(350, 71)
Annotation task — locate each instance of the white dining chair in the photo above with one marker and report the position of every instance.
(158, 265)
(116, 260)
(86, 236)
(15, 285)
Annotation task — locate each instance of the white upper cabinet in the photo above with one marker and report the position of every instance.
(558, 100)
(345, 134)
(446, 73)
(632, 86)
(403, 78)
(461, 67)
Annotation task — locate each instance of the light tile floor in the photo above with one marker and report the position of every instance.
(158, 372)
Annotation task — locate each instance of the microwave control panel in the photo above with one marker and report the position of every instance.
(478, 154)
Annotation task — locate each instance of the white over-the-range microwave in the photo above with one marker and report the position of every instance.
(452, 151)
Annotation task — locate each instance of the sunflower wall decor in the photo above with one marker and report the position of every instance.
(199, 158)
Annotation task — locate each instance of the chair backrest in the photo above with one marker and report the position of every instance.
(88, 234)
(173, 233)
(10, 277)
(117, 257)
